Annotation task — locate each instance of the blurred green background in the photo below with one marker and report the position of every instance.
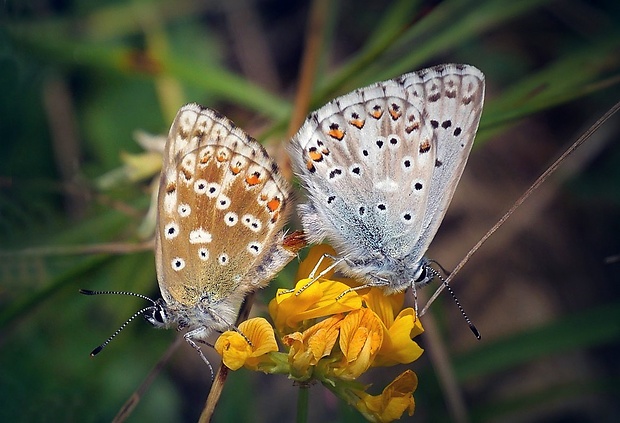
(79, 78)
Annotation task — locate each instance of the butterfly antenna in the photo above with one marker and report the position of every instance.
(443, 269)
(133, 294)
(124, 325)
(435, 273)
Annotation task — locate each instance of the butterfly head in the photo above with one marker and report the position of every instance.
(159, 315)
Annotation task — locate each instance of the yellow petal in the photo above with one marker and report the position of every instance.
(235, 350)
(361, 336)
(288, 304)
(395, 399)
(385, 306)
(289, 310)
(398, 346)
(300, 357)
(307, 348)
(318, 340)
(261, 335)
(329, 303)
(322, 337)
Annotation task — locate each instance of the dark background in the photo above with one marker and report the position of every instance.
(78, 78)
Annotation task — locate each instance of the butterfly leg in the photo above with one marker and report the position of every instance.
(415, 300)
(236, 329)
(383, 282)
(313, 278)
(198, 334)
(224, 324)
(336, 261)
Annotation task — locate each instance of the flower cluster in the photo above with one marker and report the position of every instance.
(333, 338)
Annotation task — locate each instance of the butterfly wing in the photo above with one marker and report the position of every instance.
(452, 98)
(369, 162)
(355, 158)
(222, 205)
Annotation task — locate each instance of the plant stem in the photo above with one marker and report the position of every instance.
(302, 403)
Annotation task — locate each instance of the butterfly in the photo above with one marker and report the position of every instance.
(380, 166)
(222, 204)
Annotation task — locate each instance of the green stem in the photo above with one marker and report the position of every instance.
(302, 403)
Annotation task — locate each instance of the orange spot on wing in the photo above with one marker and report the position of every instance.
(358, 123)
(336, 133)
(395, 113)
(186, 174)
(171, 187)
(425, 146)
(206, 157)
(315, 155)
(274, 204)
(411, 128)
(253, 179)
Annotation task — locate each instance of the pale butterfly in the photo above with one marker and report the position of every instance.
(380, 166)
(222, 204)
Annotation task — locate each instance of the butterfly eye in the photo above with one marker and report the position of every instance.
(157, 317)
(422, 275)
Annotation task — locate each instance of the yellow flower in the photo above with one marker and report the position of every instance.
(307, 348)
(398, 346)
(335, 338)
(318, 258)
(235, 350)
(395, 399)
(361, 336)
(384, 305)
(289, 310)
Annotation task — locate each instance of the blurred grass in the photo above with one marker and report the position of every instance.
(129, 65)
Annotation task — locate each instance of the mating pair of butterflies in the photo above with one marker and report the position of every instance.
(379, 166)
